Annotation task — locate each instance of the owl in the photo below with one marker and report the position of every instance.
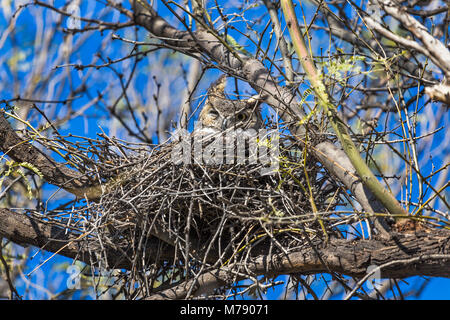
(220, 114)
(226, 127)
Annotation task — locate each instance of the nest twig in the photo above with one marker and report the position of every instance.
(209, 215)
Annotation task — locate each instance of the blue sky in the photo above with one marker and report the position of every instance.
(89, 123)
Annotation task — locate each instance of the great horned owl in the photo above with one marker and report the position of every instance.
(221, 114)
(228, 131)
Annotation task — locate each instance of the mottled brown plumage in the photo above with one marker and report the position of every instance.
(222, 114)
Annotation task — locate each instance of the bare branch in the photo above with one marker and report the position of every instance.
(53, 172)
(423, 253)
(24, 229)
(437, 51)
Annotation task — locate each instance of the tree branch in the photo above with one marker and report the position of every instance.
(26, 230)
(259, 77)
(55, 173)
(405, 255)
(439, 92)
(438, 53)
(367, 177)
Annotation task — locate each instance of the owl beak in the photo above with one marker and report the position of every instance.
(225, 124)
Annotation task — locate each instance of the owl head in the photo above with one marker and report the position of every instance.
(220, 113)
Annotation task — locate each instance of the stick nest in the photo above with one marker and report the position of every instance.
(198, 216)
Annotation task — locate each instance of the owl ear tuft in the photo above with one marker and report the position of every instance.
(217, 88)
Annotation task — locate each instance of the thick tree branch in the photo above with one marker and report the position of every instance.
(368, 178)
(426, 253)
(333, 157)
(257, 75)
(55, 173)
(438, 53)
(252, 70)
(439, 92)
(153, 236)
(26, 230)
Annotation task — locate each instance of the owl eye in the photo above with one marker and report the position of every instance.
(241, 117)
(213, 113)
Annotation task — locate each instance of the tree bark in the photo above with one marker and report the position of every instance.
(280, 98)
(26, 230)
(422, 253)
(55, 173)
